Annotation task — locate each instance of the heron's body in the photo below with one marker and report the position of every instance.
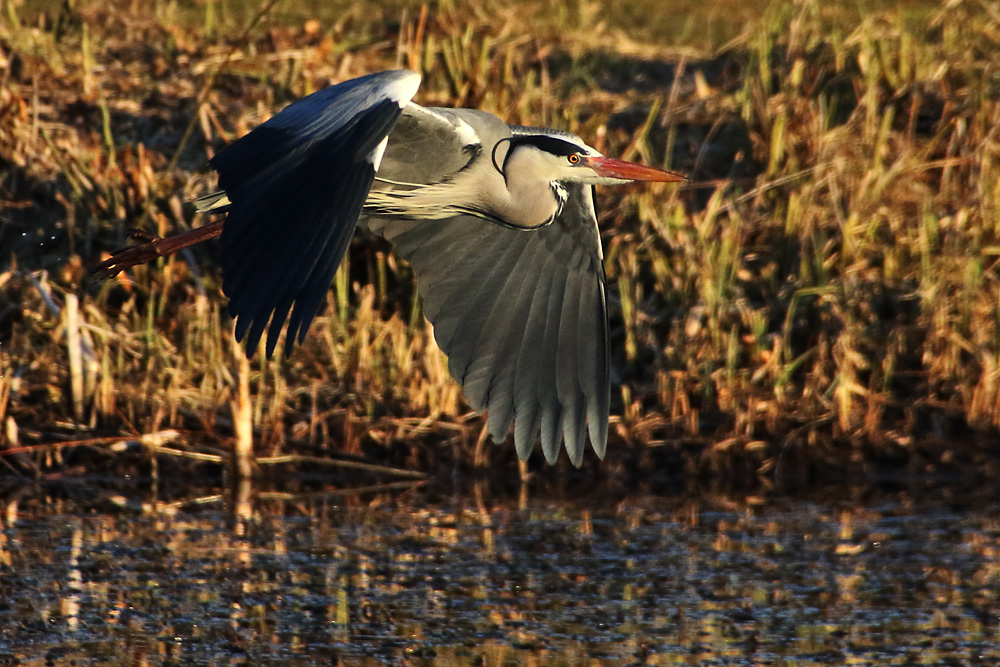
(497, 222)
(466, 137)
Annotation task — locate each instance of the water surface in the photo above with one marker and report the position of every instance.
(397, 578)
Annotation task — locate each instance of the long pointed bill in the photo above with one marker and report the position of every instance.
(609, 167)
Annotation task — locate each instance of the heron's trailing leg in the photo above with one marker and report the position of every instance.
(151, 247)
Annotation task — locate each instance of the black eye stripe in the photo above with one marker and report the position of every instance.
(553, 145)
(549, 144)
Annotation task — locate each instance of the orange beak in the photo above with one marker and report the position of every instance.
(609, 167)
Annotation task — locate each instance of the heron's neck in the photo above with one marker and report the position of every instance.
(528, 200)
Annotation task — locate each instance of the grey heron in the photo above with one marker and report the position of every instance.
(496, 221)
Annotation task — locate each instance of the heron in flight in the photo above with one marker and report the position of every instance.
(496, 221)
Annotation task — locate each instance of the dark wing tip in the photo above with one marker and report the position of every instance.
(296, 186)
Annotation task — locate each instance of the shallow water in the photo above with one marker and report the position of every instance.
(398, 578)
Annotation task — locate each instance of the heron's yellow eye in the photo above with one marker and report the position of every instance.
(574, 158)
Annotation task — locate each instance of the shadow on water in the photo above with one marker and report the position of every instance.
(457, 575)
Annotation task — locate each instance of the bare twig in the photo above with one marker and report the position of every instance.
(340, 463)
(117, 442)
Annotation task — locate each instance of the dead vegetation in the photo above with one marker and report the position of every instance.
(827, 291)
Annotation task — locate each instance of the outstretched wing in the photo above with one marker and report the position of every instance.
(522, 316)
(296, 185)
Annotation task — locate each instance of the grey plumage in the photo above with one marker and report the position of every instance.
(497, 222)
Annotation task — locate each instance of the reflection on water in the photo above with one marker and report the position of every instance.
(641, 581)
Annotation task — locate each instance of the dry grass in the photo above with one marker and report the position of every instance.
(827, 290)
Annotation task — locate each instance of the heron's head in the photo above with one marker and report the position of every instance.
(565, 158)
